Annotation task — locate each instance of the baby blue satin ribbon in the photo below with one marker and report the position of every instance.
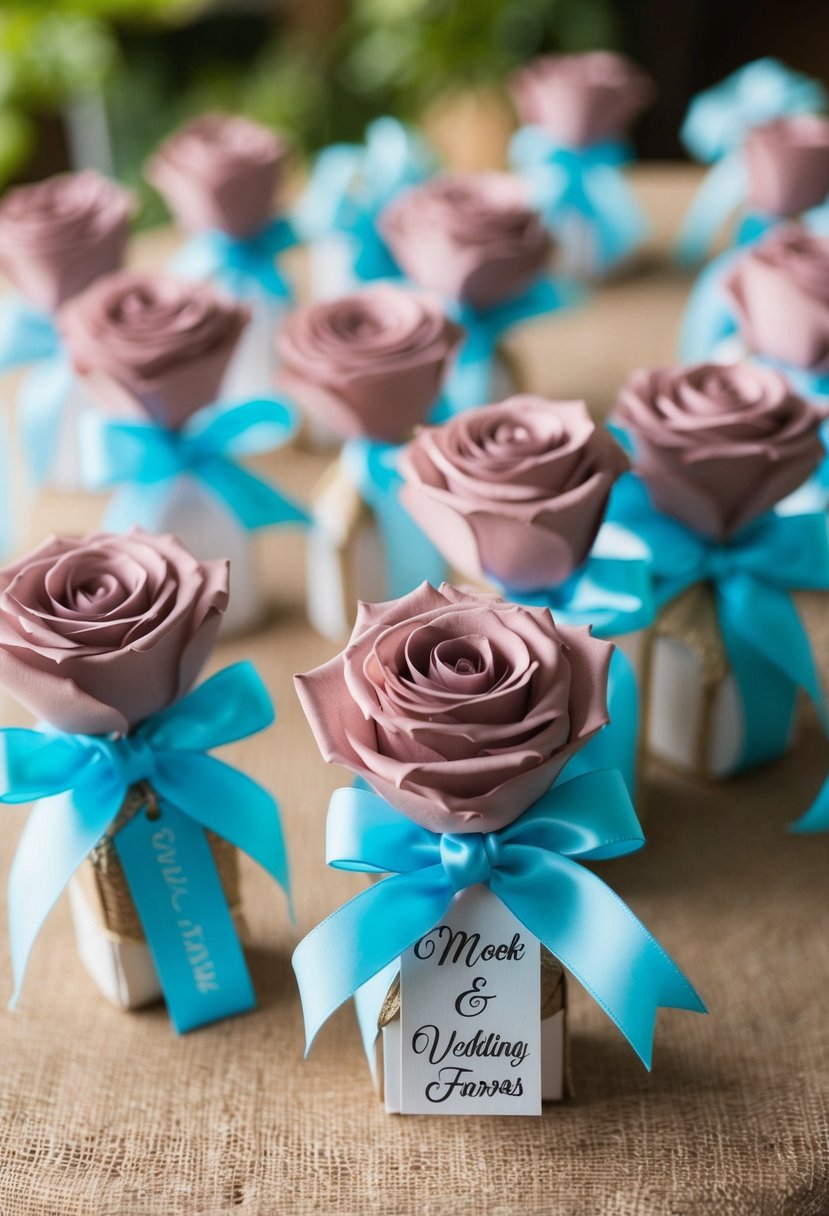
(28, 336)
(532, 866)
(714, 130)
(469, 382)
(410, 557)
(244, 266)
(612, 591)
(751, 575)
(145, 460)
(79, 783)
(586, 182)
(351, 184)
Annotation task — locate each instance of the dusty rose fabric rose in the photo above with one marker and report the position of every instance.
(57, 235)
(371, 363)
(470, 236)
(516, 491)
(152, 342)
(98, 634)
(788, 164)
(458, 709)
(780, 293)
(581, 99)
(220, 171)
(718, 446)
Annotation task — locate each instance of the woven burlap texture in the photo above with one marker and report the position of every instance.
(106, 1113)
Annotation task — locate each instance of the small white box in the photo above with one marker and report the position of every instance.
(252, 368)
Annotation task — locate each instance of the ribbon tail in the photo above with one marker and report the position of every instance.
(723, 189)
(197, 260)
(598, 939)
(816, 818)
(59, 834)
(362, 938)
(255, 502)
(771, 658)
(368, 1002)
(229, 803)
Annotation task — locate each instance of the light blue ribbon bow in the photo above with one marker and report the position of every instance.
(351, 184)
(80, 782)
(28, 336)
(752, 575)
(470, 379)
(587, 182)
(410, 557)
(532, 866)
(245, 266)
(144, 459)
(714, 130)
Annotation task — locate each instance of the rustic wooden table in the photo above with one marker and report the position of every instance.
(103, 1112)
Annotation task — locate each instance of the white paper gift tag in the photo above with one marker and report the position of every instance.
(470, 1014)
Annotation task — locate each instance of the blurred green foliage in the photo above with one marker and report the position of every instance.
(158, 62)
(52, 51)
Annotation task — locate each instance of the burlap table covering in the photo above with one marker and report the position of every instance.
(103, 1112)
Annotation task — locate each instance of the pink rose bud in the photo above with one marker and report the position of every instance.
(780, 293)
(515, 491)
(470, 237)
(152, 343)
(98, 634)
(58, 235)
(369, 364)
(220, 171)
(719, 446)
(581, 99)
(788, 164)
(459, 709)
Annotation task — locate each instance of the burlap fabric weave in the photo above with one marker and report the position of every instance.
(106, 1113)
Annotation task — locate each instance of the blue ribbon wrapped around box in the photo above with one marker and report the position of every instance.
(714, 131)
(154, 821)
(533, 868)
(363, 544)
(350, 185)
(584, 199)
(731, 654)
(191, 483)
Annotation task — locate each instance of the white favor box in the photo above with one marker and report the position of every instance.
(345, 556)
(207, 528)
(690, 725)
(330, 267)
(64, 472)
(123, 970)
(253, 365)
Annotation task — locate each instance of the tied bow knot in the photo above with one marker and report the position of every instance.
(80, 783)
(130, 757)
(240, 263)
(532, 865)
(469, 859)
(144, 454)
